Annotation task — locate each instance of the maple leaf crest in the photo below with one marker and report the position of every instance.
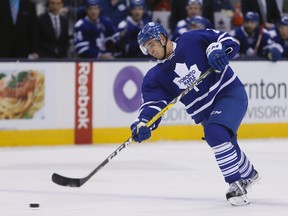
(186, 76)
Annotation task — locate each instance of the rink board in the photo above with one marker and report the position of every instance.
(119, 135)
(95, 102)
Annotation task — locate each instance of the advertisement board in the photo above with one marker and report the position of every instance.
(95, 102)
(118, 97)
(43, 102)
(266, 84)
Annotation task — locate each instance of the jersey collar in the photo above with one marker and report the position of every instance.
(172, 54)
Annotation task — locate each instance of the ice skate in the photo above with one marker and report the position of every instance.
(247, 183)
(237, 194)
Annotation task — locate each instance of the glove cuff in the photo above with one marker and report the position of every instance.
(212, 47)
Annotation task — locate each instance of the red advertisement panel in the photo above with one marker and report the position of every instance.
(83, 106)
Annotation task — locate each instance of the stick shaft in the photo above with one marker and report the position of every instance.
(78, 182)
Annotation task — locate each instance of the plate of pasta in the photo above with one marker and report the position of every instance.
(22, 94)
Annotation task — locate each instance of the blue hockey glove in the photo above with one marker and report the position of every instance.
(140, 132)
(274, 54)
(217, 57)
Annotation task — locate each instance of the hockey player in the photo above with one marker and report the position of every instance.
(130, 27)
(193, 8)
(94, 33)
(195, 22)
(256, 41)
(219, 102)
(280, 35)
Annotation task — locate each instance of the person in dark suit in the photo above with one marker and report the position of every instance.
(267, 9)
(53, 32)
(19, 34)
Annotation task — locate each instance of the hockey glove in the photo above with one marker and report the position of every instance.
(140, 132)
(274, 54)
(217, 57)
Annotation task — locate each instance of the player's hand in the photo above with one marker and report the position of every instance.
(140, 132)
(217, 57)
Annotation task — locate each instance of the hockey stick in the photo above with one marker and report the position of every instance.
(78, 182)
(258, 40)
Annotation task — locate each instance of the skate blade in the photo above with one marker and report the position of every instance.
(239, 201)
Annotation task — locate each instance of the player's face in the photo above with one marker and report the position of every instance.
(93, 12)
(137, 13)
(193, 10)
(154, 48)
(55, 6)
(283, 32)
(250, 26)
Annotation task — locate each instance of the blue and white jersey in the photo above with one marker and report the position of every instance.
(129, 30)
(248, 43)
(275, 36)
(90, 38)
(170, 77)
(183, 26)
(116, 11)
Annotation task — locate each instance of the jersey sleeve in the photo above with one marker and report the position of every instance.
(230, 43)
(154, 99)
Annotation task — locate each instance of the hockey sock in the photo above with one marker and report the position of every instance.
(246, 168)
(218, 137)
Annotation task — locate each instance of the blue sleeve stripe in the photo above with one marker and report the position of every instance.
(83, 50)
(81, 44)
(229, 38)
(152, 107)
(153, 103)
(211, 101)
(212, 88)
(220, 37)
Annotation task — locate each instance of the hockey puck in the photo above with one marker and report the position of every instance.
(34, 205)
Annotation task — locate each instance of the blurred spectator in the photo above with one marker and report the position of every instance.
(280, 34)
(19, 33)
(116, 10)
(195, 22)
(193, 8)
(74, 10)
(267, 9)
(130, 27)
(212, 6)
(92, 37)
(53, 32)
(255, 40)
(178, 12)
(40, 6)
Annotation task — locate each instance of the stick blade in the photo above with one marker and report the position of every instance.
(66, 181)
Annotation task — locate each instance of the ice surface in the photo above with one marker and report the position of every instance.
(149, 179)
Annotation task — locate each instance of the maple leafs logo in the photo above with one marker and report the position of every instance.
(186, 76)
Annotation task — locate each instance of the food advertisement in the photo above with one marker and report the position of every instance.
(22, 94)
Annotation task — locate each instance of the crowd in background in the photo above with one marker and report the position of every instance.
(107, 29)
